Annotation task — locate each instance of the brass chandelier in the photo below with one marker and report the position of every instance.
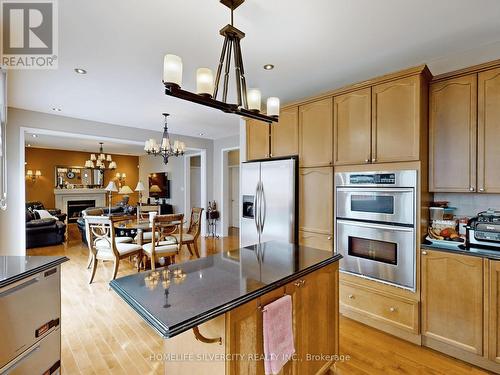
(248, 101)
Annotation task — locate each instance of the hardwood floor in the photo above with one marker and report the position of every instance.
(102, 335)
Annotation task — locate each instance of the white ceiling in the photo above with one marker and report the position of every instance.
(315, 45)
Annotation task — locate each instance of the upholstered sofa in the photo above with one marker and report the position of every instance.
(46, 231)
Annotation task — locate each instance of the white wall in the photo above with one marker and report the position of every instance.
(12, 221)
(219, 182)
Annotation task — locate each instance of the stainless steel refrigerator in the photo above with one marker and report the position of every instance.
(269, 200)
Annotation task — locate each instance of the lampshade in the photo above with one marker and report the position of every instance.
(140, 186)
(155, 189)
(108, 158)
(125, 190)
(38, 173)
(204, 81)
(111, 186)
(273, 106)
(172, 69)
(92, 157)
(29, 172)
(254, 99)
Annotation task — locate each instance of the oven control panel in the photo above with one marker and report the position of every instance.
(373, 179)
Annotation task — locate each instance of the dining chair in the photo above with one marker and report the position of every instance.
(166, 244)
(190, 237)
(104, 245)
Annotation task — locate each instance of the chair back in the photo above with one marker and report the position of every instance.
(164, 226)
(195, 222)
(101, 229)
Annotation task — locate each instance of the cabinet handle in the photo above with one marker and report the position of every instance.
(374, 160)
(297, 284)
(392, 309)
(367, 161)
(471, 188)
(350, 296)
(271, 155)
(481, 190)
(302, 282)
(424, 252)
(329, 237)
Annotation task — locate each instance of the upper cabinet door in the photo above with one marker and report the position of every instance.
(316, 134)
(488, 131)
(352, 127)
(452, 134)
(257, 140)
(396, 120)
(285, 133)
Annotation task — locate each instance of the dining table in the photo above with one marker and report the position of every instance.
(141, 226)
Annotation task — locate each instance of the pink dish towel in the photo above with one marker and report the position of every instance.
(278, 334)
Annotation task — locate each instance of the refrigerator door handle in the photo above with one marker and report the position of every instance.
(263, 208)
(256, 207)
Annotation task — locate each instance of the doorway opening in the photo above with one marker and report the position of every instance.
(195, 184)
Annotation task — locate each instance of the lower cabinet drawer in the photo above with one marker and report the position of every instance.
(42, 358)
(316, 240)
(382, 307)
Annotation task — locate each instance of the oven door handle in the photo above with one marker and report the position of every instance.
(374, 190)
(386, 227)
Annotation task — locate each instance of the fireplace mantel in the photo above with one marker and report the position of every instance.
(63, 196)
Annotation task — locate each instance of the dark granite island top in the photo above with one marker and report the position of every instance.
(214, 285)
(14, 268)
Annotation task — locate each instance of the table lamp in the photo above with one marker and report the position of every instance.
(140, 188)
(111, 188)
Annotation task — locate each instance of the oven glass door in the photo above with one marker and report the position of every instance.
(378, 251)
(381, 204)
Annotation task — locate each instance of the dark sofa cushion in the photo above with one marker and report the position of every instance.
(41, 222)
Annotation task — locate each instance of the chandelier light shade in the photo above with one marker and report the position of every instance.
(254, 100)
(273, 106)
(99, 160)
(165, 148)
(204, 82)
(172, 70)
(247, 101)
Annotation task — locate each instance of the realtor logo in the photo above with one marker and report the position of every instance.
(29, 34)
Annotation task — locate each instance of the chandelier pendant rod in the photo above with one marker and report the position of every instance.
(226, 72)
(219, 68)
(241, 74)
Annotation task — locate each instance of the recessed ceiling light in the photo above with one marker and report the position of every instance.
(56, 109)
(201, 134)
(269, 67)
(28, 145)
(80, 71)
(34, 135)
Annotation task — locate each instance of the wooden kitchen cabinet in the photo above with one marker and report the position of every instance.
(396, 120)
(315, 325)
(285, 133)
(352, 127)
(316, 240)
(316, 134)
(315, 330)
(316, 200)
(452, 134)
(488, 131)
(494, 311)
(452, 300)
(257, 141)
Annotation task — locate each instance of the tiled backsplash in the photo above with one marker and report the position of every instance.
(469, 204)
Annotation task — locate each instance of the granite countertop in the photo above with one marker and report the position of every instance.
(15, 268)
(473, 251)
(216, 284)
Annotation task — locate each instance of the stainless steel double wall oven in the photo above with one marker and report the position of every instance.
(376, 225)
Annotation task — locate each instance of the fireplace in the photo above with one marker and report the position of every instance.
(75, 208)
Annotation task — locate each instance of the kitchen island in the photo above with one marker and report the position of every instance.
(209, 310)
